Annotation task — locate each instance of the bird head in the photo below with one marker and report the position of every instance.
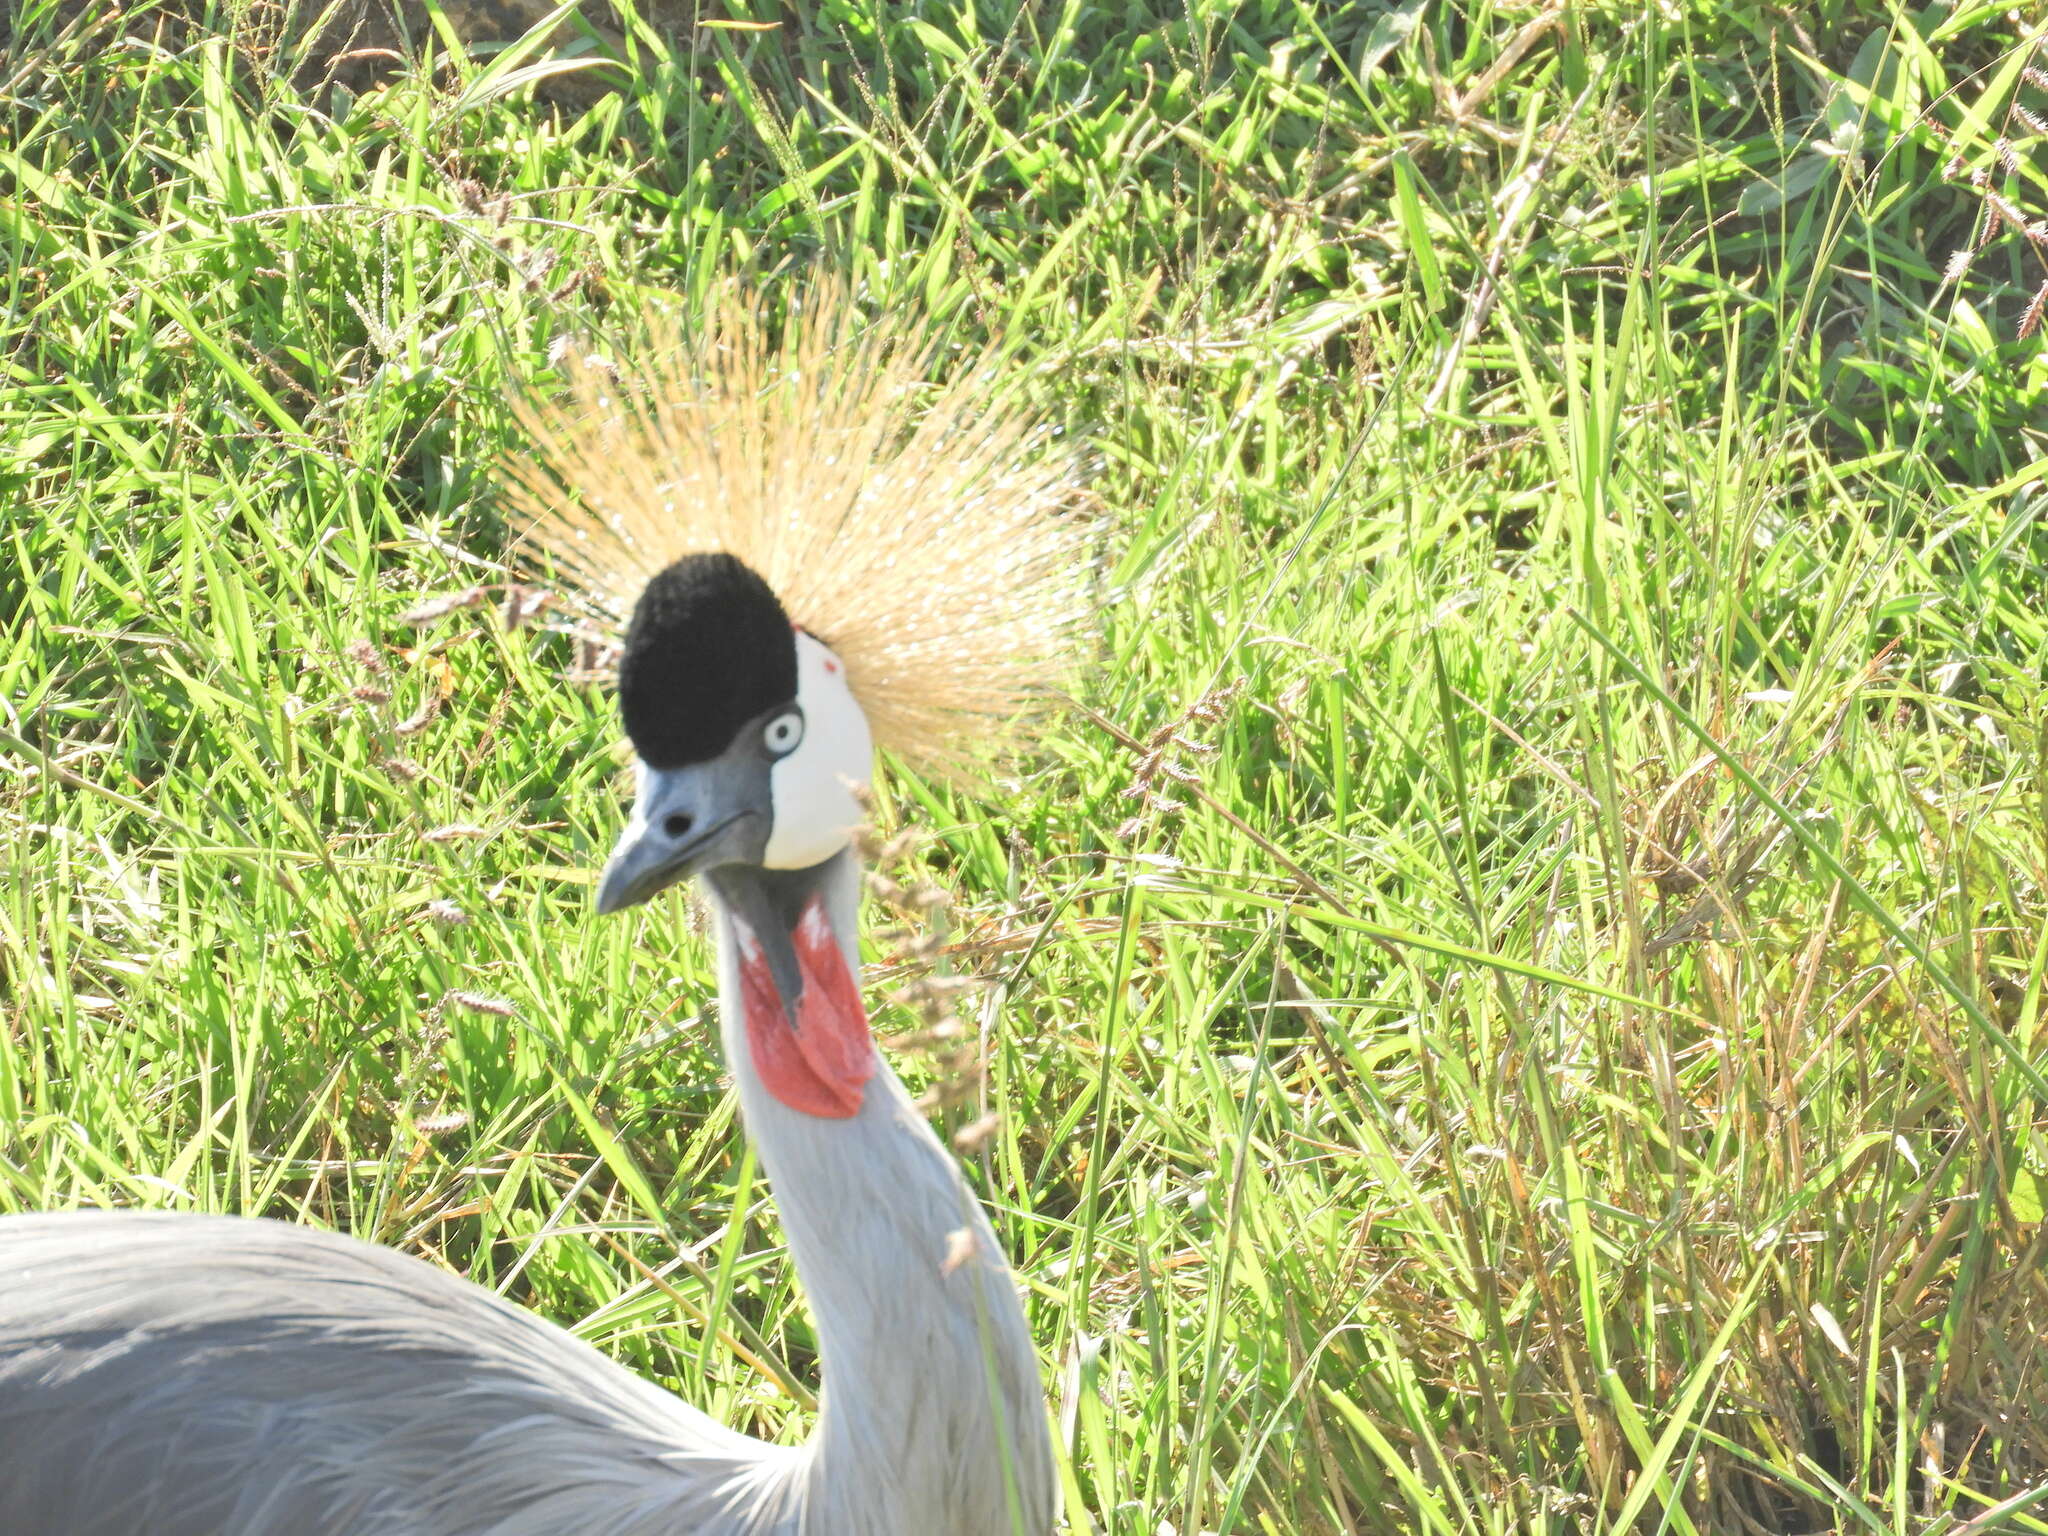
(815, 548)
(749, 745)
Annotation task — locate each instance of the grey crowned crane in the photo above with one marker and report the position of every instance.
(819, 553)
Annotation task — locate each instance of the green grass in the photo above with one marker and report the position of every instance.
(1561, 1050)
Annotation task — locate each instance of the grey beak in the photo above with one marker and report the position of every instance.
(641, 865)
(687, 820)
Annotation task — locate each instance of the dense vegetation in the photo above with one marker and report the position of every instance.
(1520, 985)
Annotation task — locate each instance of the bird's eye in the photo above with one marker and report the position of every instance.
(782, 733)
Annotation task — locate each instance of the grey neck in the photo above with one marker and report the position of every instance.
(933, 1416)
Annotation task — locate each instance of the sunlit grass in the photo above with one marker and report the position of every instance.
(1520, 979)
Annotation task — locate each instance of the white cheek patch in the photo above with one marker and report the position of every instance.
(814, 787)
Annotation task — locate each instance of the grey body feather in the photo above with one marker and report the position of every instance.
(180, 1375)
(210, 1376)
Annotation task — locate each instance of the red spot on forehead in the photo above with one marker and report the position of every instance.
(831, 662)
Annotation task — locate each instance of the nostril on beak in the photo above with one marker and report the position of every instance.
(678, 825)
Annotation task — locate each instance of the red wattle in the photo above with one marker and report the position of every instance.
(821, 1066)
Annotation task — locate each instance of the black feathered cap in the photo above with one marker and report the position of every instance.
(708, 650)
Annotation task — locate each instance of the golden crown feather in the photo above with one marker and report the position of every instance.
(929, 532)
